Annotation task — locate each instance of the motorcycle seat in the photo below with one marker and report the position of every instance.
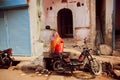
(66, 54)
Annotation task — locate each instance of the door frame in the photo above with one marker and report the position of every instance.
(65, 23)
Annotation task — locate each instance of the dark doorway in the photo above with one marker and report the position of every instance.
(117, 24)
(100, 22)
(65, 23)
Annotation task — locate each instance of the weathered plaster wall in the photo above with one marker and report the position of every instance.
(92, 22)
(81, 15)
(108, 24)
(37, 47)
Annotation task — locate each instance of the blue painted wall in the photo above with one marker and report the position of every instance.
(15, 31)
(12, 3)
(15, 27)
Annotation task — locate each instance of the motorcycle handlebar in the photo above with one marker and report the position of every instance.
(87, 49)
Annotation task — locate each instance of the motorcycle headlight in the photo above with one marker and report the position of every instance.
(6, 54)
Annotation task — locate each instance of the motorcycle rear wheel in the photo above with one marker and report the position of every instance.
(57, 66)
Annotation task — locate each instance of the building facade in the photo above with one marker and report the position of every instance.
(22, 22)
(97, 20)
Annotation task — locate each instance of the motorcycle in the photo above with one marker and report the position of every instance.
(62, 62)
(5, 58)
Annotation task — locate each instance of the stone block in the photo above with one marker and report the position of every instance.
(117, 72)
(105, 49)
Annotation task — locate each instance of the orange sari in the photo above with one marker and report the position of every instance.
(55, 40)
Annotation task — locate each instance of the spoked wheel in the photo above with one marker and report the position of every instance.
(57, 66)
(96, 67)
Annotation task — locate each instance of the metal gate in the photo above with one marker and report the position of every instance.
(17, 31)
(3, 37)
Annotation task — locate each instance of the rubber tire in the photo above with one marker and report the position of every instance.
(96, 67)
(8, 62)
(56, 66)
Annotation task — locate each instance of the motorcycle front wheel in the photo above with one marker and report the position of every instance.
(96, 67)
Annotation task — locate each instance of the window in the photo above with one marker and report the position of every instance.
(78, 4)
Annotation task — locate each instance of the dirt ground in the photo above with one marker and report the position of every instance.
(14, 74)
(10, 74)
